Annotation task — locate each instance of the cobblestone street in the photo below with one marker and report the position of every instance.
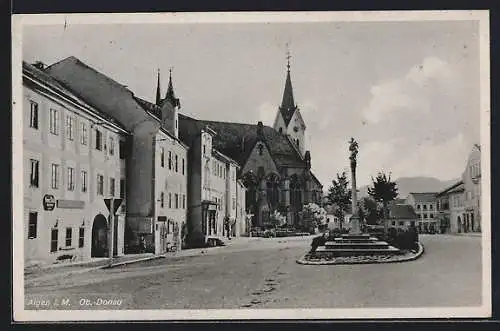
(263, 273)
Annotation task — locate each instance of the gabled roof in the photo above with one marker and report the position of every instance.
(424, 196)
(237, 140)
(43, 77)
(148, 106)
(101, 91)
(402, 211)
(455, 188)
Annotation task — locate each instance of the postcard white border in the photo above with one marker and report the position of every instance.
(20, 314)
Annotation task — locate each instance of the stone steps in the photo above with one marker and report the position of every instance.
(356, 240)
(324, 251)
(362, 245)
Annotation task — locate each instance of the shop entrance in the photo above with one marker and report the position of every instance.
(99, 237)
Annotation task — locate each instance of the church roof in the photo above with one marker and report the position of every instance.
(237, 140)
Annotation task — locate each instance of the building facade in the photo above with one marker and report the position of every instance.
(72, 163)
(425, 206)
(153, 135)
(450, 204)
(472, 191)
(403, 216)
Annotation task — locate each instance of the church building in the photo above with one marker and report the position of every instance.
(273, 162)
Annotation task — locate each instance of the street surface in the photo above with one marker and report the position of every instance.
(263, 273)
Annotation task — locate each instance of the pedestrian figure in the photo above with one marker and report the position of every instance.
(143, 244)
(228, 227)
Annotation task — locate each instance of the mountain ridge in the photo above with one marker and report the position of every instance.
(407, 185)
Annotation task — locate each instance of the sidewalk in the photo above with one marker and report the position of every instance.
(50, 271)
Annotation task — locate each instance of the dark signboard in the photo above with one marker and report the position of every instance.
(70, 204)
(116, 204)
(49, 202)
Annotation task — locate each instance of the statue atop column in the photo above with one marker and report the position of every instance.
(353, 148)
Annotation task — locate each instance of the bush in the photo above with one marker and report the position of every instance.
(403, 239)
(318, 241)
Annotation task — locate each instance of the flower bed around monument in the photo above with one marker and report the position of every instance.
(406, 255)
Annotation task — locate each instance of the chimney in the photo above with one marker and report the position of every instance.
(39, 64)
(307, 158)
(260, 130)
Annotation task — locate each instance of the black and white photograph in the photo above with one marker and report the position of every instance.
(213, 166)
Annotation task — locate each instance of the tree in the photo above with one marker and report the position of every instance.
(384, 191)
(277, 219)
(339, 195)
(316, 213)
(368, 208)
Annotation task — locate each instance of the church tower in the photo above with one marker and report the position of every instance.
(288, 120)
(170, 106)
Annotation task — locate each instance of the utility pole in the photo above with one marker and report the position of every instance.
(112, 205)
(111, 230)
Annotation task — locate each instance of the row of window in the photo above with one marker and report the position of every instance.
(54, 234)
(424, 215)
(172, 165)
(424, 206)
(475, 170)
(218, 169)
(54, 128)
(177, 201)
(402, 223)
(55, 170)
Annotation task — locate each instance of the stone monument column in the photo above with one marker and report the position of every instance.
(355, 221)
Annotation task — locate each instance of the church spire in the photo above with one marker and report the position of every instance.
(288, 103)
(158, 90)
(170, 96)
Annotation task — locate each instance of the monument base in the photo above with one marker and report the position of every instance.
(355, 225)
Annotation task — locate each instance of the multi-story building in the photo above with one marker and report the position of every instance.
(425, 205)
(402, 216)
(154, 135)
(72, 162)
(450, 204)
(472, 191)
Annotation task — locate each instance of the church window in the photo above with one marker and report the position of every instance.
(273, 192)
(261, 149)
(295, 194)
(280, 130)
(250, 183)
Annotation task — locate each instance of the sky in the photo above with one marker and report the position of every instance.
(407, 91)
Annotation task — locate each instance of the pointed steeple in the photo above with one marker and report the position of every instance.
(170, 96)
(288, 103)
(158, 90)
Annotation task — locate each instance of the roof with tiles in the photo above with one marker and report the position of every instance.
(455, 188)
(45, 78)
(237, 140)
(99, 90)
(424, 196)
(402, 211)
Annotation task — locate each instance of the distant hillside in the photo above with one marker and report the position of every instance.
(415, 184)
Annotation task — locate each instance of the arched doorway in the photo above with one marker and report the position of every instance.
(99, 237)
(459, 224)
